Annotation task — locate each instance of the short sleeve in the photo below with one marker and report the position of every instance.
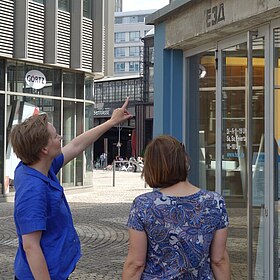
(57, 163)
(223, 221)
(136, 216)
(31, 208)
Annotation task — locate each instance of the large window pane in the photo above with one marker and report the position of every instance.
(2, 104)
(2, 74)
(17, 79)
(64, 5)
(87, 8)
(120, 37)
(134, 36)
(79, 130)
(69, 113)
(120, 52)
(18, 109)
(89, 109)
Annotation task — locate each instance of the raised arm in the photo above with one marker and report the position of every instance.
(81, 142)
(219, 256)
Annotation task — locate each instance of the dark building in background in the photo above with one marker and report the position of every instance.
(145, 111)
(110, 93)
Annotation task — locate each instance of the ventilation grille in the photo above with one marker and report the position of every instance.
(87, 44)
(6, 27)
(36, 30)
(63, 38)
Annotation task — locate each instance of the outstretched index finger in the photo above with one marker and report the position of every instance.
(125, 103)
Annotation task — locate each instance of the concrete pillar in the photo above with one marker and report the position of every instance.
(21, 29)
(51, 31)
(76, 33)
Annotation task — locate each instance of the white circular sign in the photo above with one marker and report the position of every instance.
(35, 79)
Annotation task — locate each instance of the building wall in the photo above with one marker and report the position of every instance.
(227, 55)
(57, 41)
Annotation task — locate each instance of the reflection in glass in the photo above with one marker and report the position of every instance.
(16, 72)
(2, 74)
(18, 109)
(234, 150)
(89, 109)
(79, 130)
(207, 121)
(69, 112)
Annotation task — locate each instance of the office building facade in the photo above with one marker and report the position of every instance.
(50, 54)
(129, 29)
(217, 90)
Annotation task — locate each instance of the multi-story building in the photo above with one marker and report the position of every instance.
(50, 54)
(129, 29)
(118, 5)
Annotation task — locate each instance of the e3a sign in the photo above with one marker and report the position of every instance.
(35, 79)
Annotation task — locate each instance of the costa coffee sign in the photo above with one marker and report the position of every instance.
(35, 79)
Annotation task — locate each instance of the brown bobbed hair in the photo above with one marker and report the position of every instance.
(165, 162)
(30, 137)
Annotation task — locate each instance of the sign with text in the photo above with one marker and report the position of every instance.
(35, 79)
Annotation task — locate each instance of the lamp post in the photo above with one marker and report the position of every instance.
(119, 142)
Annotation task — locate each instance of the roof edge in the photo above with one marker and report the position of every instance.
(161, 14)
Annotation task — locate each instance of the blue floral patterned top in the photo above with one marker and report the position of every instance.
(179, 231)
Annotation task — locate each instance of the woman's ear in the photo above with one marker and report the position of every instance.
(45, 150)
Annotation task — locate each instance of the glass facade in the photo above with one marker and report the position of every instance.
(21, 100)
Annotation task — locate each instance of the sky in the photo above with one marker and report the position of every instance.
(134, 5)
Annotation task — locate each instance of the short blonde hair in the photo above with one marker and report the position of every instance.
(29, 137)
(165, 162)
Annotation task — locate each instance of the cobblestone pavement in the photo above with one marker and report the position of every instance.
(100, 213)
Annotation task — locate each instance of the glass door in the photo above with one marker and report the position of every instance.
(241, 106)
(227, 104)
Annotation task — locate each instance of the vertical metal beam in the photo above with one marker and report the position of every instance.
(219, 120)
(249, 150)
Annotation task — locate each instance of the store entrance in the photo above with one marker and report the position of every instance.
(225, 135)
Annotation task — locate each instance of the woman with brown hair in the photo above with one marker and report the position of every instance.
(49, 247)
(177, 231)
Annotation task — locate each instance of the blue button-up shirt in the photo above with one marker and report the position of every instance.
(40, 205)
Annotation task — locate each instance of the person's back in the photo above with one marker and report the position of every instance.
(179, 231)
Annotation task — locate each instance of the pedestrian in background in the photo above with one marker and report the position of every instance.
(49, 247)
(177, 231)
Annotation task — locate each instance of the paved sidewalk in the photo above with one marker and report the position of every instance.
(100, 214)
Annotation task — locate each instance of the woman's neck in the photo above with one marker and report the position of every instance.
(41, 166)
(183, 188)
